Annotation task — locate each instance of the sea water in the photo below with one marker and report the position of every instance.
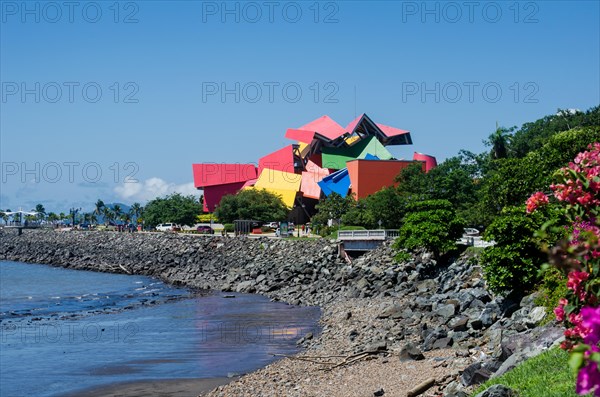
(65, 330)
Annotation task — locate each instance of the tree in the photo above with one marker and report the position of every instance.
(255, 204)
(136, 211)
(117, 211)
(333, 207)
(514, 261)
(430, 224)
(500, 140)
(534, 135)
(174, 208)
(108, 214)
(98, 207)
(39, 208)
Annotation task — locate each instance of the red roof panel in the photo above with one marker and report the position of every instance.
(212, 174)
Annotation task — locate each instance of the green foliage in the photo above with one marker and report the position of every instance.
(333, 207)
(229, 227)
(456, 180)
(402, 257)
(515, 261)
(386, 205)
(254, 204)
(532, 136)
(509, 182)
(552, 288)
(546, 375)
(432, 225)
(174, 208)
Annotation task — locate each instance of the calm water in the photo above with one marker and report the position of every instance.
(64, 330)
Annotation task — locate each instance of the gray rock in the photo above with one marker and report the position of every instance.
(411, 352)
(445, 310)
(459, 324)
(443, 343)
(537, 314)
(375, 347)
(394, 311)
(244, 286)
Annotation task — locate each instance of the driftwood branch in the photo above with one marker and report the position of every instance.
(421, 388)
(329, 365)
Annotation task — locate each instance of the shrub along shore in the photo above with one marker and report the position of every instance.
(379, 317)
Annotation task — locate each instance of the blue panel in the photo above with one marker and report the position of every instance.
(370, 156)
(338, 182)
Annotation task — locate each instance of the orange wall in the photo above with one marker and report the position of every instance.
(370, 176)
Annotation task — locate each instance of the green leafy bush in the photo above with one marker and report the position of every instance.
(552, 288)
(432, 225)
(255, 204)
(228, 227)
(515, 261)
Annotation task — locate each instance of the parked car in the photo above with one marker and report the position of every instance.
(272, 225)
(205, 230)
(471, 232)
(168, 227)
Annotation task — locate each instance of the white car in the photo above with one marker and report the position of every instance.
(168, 227)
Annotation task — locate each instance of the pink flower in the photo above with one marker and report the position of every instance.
(591, 321)
(574, 283)
(588, 380)
(536, 200)
(559, 311)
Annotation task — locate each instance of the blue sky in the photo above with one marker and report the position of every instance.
(99, 92)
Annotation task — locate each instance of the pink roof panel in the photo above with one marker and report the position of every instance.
(350, 127)
(325, 126)
(300, 135)
(391, 131)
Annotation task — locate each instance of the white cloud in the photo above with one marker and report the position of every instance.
(134, 190)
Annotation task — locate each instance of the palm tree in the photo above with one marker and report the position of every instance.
(117, 211)
(108, 214)
(499, 140)
(41, 211)
(99, 206)
(126, 217)
(136, 210)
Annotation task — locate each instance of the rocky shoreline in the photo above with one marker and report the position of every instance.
(394, 317)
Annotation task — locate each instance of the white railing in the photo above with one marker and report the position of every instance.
(379, 234)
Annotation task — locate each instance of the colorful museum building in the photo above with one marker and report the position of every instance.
(324, 158)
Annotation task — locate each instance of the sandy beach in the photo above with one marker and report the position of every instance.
(155, 388)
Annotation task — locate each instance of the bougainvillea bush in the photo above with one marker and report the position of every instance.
(577, 189)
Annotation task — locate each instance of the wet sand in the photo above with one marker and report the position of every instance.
(155, 388)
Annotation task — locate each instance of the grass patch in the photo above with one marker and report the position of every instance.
(546, 375)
